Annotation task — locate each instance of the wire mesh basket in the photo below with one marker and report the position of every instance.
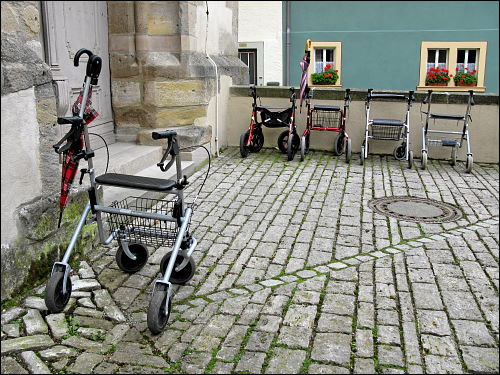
(386, 132)
(142, 230)
(326, 119)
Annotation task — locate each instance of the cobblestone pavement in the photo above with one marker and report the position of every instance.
(295, 274)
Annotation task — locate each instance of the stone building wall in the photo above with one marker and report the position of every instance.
(161, 77)
(30, 168)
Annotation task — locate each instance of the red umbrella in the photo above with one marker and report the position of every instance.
(72, 154)
(304, 65)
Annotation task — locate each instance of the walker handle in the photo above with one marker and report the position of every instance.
(80, 52)
(427, 98)
(471, 93)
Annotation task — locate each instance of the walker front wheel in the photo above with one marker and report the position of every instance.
(257, 141)
(182, 276)
(243, 144)
(293, 144)
(159, 310)
(410, 159)
(348, 150)
(129, 265)
(55, 298)
(424, 159)
(453, 160)
(468, 164)
(362, 156)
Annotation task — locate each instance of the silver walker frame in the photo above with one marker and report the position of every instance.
(389, 130)
(57, 292)
(458, 136)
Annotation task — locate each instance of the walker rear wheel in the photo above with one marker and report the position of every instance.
(362, 156)
(182, 276)
(55, 299)
(293, 146)
(400, 152)
(129, 265)
(283, 141)
(159, 310)
(338, 144)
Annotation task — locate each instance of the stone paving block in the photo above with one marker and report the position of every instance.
(251, 362)
(300, 315)
(194, 363)
(295, 336)
(332, 348)
(11, 366)
(461, 305)
(34, 364)
(364, 343)
(364, 366)
(57, 352)
(334, 323)
(443, 365)
(35, 342)
(12, 314)
(338, 304)
(390, 355)
(327, 369)
(481, 360)
(472, 333)
(86, 362)
(286, 361)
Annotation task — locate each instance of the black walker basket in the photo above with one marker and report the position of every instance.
(147, 231)
(275, 119)
(386, 132)
(326, 119)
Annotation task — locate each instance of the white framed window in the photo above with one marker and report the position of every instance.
(453, 56)
(323, 54)
(437, 58)
(467, 58)
(322, 58)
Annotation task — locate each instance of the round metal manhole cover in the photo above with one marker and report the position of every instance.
(415, 209)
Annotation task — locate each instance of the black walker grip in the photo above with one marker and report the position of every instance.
(94, 66)
(471, 93)
(163, 134)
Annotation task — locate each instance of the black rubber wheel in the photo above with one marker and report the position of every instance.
(257, 141)
(283, 141)
(400, 152)
(184, 275)
(55, 300)
(293, 146)
(410, 159)
(128, 265)
(453, 160)
(424, 159)
(348, 150)
(158, 314)
(243, 141)
(338, 144)
(468, 164)
(304, 146)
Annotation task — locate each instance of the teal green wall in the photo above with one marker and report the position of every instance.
(381, 39)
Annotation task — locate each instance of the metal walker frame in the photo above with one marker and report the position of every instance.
(132, 223)
(389, 129)
(459, 137)
(327, 118)
(252, 139)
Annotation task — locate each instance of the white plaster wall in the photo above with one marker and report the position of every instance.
(260, 21)
(21, 180)
(220, 21)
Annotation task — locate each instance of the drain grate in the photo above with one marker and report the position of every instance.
(415, 209)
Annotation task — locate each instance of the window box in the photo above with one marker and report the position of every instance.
(437, 84)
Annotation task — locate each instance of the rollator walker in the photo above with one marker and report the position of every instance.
(447, 138)
(133, 222)
(389, 129)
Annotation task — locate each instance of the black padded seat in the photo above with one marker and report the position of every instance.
(448, 117)
(135, 182)
(388, 122)
(388, 96)
(447, 143)
(327, 107)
